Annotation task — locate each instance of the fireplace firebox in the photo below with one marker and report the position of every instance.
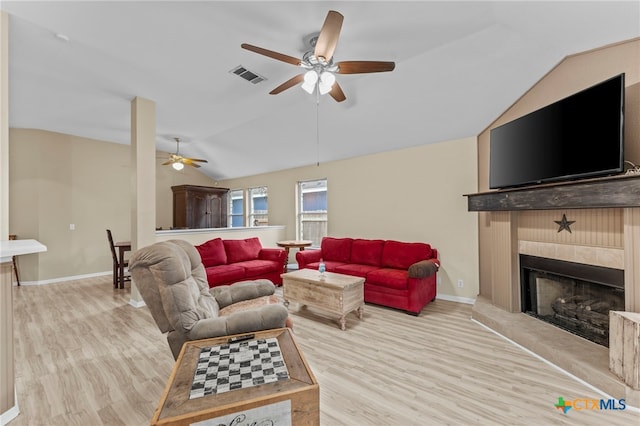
(572, 296)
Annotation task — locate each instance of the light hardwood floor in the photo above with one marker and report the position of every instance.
(84, 356)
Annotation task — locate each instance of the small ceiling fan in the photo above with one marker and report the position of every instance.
(319, 62)
(177, 161)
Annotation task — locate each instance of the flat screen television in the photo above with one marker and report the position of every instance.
(577, 137)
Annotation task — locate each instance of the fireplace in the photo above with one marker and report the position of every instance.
(573, 296)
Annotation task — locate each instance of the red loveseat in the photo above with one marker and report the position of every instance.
(230, 261)
(397, 274)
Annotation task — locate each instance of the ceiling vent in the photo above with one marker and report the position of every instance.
(250, 76)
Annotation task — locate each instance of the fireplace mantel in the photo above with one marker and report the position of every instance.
(609, 192)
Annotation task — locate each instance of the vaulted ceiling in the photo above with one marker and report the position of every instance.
(76, 66)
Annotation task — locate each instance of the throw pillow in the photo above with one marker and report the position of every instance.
(336, 249)
(400, 255)
(241, 250)
(212, 253)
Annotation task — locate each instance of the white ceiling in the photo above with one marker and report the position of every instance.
(459, 65)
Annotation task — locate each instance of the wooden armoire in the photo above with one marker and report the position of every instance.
(199, 207)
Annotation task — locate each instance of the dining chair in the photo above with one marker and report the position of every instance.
(116, 262)
(14, 260)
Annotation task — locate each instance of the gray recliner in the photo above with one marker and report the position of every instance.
(172, 281)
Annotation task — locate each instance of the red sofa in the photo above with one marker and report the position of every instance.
(230, 261)
(397, 274)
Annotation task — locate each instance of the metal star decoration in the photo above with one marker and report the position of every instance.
(565, 225)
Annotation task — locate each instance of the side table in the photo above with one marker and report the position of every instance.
(289, 244)
(295, 400)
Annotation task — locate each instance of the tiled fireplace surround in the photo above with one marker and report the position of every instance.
(608, 237)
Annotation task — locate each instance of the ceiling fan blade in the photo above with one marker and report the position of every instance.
(329, 34)
(197, 159)
(189, 162)
(166, 163)
(337, 93)
(271, 54)
(359, 67)
(288, 84)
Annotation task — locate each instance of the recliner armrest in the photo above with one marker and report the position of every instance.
(424, 268)
(226, 295)
(263, 318)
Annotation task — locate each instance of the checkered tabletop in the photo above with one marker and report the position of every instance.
(238, 365)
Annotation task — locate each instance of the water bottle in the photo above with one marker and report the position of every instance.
(322, 268)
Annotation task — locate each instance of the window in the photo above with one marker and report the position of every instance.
(236, 208)
(312, 210)
(258, 211)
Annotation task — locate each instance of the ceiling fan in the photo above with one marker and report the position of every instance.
(177, 161)
(319, 62)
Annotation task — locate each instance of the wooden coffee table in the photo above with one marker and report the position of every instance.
(334, 293)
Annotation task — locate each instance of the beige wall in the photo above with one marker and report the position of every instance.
(56, 180)
(412, 194)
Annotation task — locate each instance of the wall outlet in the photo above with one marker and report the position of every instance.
(460, 283)
(72, 227)
(438, 280)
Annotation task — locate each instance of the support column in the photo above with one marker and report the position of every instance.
(8, 404)
(4, 126)
(143, 177)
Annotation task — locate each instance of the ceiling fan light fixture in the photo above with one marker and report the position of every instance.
(308, 87)
(178, 165)
(310, 80)
(326, 82)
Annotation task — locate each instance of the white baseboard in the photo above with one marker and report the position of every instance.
(136, 303)
(62, 279)
(11, 413)
(467, 300)
(132, 302)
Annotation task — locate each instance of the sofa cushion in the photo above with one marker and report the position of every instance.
(396, 254)
(330, 266)
(355, 269)
(212, 253)
(336, 249)
(366, 252)
(241, 250)
(259, 267)
(224, 273)
(392, 278)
